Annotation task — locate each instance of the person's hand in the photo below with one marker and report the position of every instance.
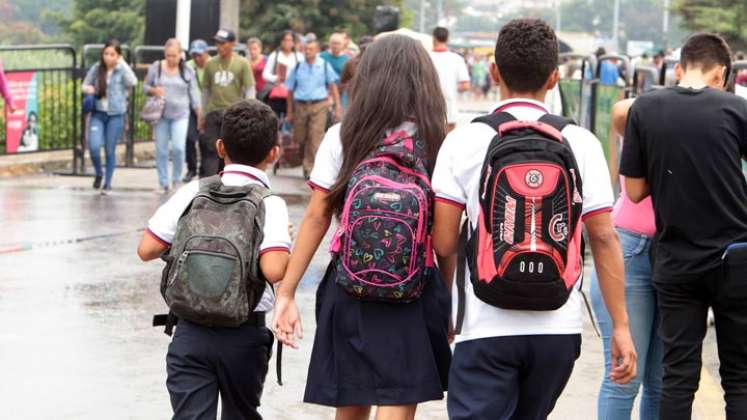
(287, 322)
(89, 90)
(624, 357)
(289, 117)
(11, 109)
(450, 334)
(201, 124)
(158, 91)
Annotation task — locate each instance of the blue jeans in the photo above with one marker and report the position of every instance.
(105, 131)
(175, 132)
(616, 401)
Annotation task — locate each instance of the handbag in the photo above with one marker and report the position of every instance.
(153, 108)
(89, 104)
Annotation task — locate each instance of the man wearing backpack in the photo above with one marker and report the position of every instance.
(310, 84)
(684, 146)
(220, 254)
(527, 180)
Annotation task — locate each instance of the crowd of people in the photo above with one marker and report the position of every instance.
(306, 87)
(468, 234)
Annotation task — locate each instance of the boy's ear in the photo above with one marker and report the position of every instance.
(273, 156)
(220, 148)
(495, 74)
(678, 72)
(552, 81)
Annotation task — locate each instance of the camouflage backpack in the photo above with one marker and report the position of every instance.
(212, 274)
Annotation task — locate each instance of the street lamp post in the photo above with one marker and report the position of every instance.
(616, 25)
(183, 12)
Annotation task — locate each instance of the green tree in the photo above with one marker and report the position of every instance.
(14, 29)
(95, 21)
(267, 19)
(726, 17)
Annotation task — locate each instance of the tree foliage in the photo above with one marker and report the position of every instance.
(95, 21)
(16, 30)
(726, 17)
(267, 19)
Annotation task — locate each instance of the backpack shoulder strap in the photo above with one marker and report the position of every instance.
(495, 120)
(211, 182)
(460, 276)
(556, 121)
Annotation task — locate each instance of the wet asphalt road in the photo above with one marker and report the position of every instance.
(75, 334)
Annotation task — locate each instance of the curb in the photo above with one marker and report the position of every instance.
(60, 160)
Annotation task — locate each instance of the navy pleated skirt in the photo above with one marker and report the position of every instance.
(371, 353)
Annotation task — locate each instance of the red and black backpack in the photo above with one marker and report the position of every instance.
(525, 253)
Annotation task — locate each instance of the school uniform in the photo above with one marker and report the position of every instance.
(204, 361)
(507, 363)
(374, 353)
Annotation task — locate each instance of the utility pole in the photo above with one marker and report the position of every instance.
(183, 15)
(665, 26)
(616, 25)
(229, 15)
(422, 16)
(440, 13)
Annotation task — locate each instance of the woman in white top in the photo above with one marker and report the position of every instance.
(279, 65)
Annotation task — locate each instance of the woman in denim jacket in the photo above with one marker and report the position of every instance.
(109, 80)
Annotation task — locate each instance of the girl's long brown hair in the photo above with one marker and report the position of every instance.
(101, 75)
(395, 81)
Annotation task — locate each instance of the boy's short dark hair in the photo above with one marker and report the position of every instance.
(705, 50)
(249, 132)
(441, 34)
(526, 54)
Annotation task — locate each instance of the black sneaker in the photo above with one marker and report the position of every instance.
(188, 177)
(97, 183)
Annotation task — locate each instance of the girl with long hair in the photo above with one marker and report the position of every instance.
(109, 80)
(371, 353)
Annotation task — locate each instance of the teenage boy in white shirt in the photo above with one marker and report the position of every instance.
(514, 364)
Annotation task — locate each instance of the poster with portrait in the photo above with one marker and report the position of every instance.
(22, 126)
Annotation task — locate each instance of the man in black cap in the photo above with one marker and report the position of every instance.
(228, 79)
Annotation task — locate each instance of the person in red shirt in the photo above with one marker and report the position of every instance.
(258, 61)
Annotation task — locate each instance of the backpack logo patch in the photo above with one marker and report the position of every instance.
(558, 228)
(534, 178)
(508, 226)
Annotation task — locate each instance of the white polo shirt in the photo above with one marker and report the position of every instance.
(162, 226)
(451, 70)
(329, 157)
(455, 181)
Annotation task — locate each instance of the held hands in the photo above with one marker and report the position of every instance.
(287, 322)
(201, 123)
(624, 357)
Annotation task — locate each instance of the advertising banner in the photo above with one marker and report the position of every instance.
(22, 126)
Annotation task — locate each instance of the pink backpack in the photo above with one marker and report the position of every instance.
(383, 245)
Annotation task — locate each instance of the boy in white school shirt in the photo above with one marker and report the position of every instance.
(203, 361)
(513, 364)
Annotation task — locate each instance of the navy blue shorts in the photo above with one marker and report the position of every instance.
(515, 377)
(372, 353)
(203, 361)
